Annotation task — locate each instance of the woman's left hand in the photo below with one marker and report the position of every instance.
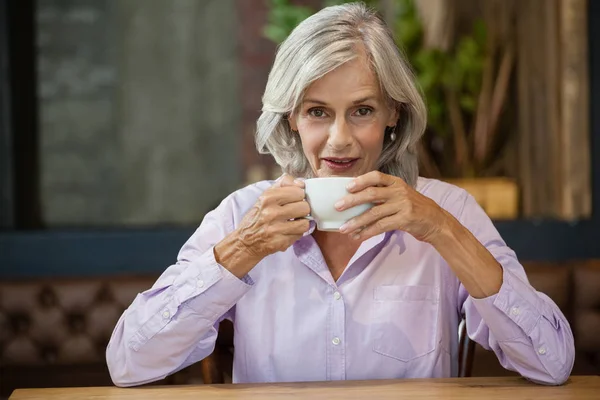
(397, 207)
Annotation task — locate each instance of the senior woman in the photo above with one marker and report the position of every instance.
(381, 298)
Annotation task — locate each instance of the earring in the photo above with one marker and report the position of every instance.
(392, 130)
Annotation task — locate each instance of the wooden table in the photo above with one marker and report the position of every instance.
(578, 387)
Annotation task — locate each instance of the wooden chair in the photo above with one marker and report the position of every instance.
(466, 351)
(217, 368)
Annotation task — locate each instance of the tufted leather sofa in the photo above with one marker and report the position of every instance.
(54, 332)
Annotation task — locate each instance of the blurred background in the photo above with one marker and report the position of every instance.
(122, 122)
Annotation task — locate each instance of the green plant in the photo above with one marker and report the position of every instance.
(283, 18)
(459, 140)
(451, 82)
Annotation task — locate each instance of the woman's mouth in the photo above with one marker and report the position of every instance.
(339, 164)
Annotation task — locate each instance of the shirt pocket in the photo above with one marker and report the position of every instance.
(405, 321)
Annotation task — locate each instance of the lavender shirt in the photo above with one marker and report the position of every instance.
(393, 313)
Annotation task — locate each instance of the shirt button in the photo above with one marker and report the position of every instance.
(336, 341)
(166, 314)
(515, 311)
(337, 295)
(200, 283)
(542, 350)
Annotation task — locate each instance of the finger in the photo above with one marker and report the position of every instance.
(283, 195)
(298, 209)
(284, 230)
(277, 183)
(380, 226)
(368, 218)
(289, 180)
(373, 178)
(296, 228)
(371, 194)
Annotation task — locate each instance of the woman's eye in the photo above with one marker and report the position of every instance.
(316, 112)
(364, 111)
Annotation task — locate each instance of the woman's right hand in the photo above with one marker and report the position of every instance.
(273, 224)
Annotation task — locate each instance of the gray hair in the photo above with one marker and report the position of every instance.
(317, 46)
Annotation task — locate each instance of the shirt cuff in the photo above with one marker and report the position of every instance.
(210, 289)
(514, 311)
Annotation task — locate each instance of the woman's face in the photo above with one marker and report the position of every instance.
(342, 121)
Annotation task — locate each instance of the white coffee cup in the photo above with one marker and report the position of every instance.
(322, 194)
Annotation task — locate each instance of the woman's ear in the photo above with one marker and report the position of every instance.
(292, 121)
(394, 116)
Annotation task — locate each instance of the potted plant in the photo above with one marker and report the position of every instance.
(465, 82)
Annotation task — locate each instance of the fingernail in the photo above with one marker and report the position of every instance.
(344, 227)
(339, 204)
(356, 236)
(351, 185)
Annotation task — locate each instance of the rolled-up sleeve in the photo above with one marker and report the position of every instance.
(525, 328)
(175, 323)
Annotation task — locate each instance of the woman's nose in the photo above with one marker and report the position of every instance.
(340, 135)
